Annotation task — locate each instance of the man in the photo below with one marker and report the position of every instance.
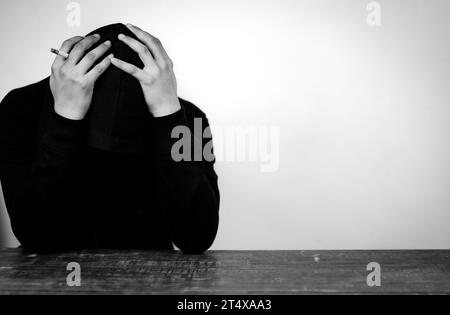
(86, 155)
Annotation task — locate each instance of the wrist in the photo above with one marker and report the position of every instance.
(165, 109)
(70, 112)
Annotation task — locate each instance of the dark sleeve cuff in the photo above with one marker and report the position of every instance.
(163, 127)
(64, 134)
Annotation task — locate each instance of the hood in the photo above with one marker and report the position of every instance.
(118, 116)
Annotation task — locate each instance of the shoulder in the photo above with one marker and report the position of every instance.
(20, 112)
(24, 101)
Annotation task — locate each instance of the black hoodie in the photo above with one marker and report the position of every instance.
(107, 181)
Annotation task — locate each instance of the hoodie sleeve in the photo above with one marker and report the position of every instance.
(192, 196)
(40, 190)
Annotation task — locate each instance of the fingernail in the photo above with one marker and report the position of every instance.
(111, 56)
(108, 43)
(96, 35)
(121, 36)
(129, 25)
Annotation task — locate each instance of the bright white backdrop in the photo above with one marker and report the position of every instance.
(363, 112)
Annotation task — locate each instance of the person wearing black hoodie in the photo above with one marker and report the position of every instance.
(86, 157)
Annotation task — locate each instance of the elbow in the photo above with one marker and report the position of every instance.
(199, 237)
(36, 244)
(198, 244)
(194, 249)
(31, 238)
(42, 241)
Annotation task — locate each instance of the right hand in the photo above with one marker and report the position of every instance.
(71, 82)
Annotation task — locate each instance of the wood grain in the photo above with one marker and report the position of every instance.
(226, 272)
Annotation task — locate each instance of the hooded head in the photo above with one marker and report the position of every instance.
(118, 114)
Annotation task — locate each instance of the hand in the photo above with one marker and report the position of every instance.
(71, 84)
(157, 79)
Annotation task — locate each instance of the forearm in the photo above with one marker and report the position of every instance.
(192, 200)
(192, 211)
(43, 198)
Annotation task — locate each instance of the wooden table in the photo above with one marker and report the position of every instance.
(225, 272)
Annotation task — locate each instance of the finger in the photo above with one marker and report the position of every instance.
(81, 47)
(66, 47)
(152, 43)
(140, 49)
(99, 69)
(89, 60)
(129, 68)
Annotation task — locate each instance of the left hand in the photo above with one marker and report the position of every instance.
(157, 79)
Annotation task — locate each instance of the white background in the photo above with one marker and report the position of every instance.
(363, 112)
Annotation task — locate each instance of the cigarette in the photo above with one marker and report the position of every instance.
(59, 53)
